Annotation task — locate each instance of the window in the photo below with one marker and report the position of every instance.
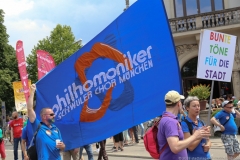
(205, 6)
(218, 5)
(191, 7)
(179, 8)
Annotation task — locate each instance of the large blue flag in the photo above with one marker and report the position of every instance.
(117, 80)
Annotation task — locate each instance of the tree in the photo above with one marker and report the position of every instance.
(60, 44)
(8, 67)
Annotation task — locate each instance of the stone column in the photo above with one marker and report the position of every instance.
(236, 83)
(198, 22)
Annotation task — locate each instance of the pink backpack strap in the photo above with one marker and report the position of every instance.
(164, 147)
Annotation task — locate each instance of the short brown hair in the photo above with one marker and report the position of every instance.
(43, 110)
(171, 105)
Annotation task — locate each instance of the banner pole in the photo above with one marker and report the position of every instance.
(210, 104)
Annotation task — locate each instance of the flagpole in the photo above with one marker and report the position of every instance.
(210, 103)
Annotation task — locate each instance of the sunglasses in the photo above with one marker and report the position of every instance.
(52, 114)
(229, 107)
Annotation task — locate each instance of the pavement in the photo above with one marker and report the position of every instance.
(137, 150)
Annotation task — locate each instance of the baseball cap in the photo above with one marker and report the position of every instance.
(226, 102)
(173, 97)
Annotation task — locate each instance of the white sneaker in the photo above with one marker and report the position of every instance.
(97, 150)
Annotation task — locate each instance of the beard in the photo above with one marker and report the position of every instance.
(51, 120)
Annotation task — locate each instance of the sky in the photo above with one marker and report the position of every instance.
(33, 20)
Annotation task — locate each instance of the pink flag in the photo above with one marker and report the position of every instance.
(45, 63)
(22, 68)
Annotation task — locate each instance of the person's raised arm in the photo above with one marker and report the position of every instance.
(31, 112)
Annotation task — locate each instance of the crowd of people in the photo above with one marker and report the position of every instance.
(178, 138)
(21, 131)
(188, 137)
(217, 103)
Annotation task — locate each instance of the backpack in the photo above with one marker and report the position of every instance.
(151, 142)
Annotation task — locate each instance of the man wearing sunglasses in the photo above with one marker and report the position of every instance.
(48, 135)
(225, 120)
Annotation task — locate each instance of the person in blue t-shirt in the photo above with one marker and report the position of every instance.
(49, 141)
(27, 135)
(225, 120)
(199, 149)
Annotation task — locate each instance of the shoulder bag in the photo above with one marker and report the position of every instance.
(32, 150)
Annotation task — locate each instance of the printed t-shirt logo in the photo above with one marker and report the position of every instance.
(48, 132)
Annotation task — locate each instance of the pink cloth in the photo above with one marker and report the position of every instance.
(2, 150)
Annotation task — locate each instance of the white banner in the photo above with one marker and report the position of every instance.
(216, 56)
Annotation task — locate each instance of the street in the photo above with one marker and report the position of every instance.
(136, 151)
(9, 154)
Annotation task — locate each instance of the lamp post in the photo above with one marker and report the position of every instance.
(78, 41)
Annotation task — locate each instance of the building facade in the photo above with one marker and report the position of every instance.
(186, 19)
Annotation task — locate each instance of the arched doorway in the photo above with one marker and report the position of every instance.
(189, 74)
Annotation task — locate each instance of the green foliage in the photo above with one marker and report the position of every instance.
(61, 44)
(201, 91)
(8, 67)
(215, 112)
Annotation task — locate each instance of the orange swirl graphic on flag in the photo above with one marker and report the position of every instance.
(85, 61)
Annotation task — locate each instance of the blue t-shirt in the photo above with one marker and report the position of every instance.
(46, 141)
(170, 127)
(198, 152)
(230, 126)
(27, 133)
(181, 117)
